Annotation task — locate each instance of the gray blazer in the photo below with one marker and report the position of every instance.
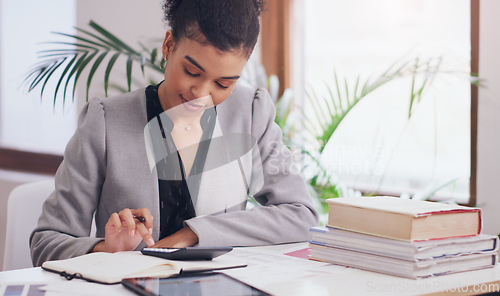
(108, 166)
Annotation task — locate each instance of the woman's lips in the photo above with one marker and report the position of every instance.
(190, 105)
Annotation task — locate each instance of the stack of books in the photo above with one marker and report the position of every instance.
(403, 237)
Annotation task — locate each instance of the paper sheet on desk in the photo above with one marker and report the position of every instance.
(265, 267)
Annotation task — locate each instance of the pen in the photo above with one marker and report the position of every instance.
(140, 218)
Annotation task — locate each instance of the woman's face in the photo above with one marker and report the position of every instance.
(196, 75)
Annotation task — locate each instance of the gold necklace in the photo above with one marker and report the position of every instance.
(188, 126)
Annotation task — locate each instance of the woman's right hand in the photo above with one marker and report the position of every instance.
(124, 231)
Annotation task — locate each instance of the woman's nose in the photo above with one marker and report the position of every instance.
(200, 90)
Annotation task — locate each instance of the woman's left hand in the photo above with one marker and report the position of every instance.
(181, 239)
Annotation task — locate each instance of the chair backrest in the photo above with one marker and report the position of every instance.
(23, 210)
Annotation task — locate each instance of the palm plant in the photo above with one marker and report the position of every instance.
(88, 48)
(328, 112)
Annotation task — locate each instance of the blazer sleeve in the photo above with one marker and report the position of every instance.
(64, 227)
(287, 210)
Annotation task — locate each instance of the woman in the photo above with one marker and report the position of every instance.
(172, 165)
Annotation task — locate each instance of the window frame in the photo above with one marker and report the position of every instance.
(275, 37)
(474, 37)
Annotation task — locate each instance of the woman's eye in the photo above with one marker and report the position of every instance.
(190, 74)
(221, 86)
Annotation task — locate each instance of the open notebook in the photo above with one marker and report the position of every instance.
(111, 268)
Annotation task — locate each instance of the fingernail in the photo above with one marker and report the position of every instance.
(151, 242)
(132, 232)
(150, 230)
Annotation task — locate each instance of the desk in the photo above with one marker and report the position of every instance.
(270, 270)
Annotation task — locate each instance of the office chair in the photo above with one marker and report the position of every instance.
(23, 210)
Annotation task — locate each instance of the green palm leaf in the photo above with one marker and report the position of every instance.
(129, 72)
(113, 39)
(86, 40)
(79, 71)
(154, 55)
(42, 72)
(90, 48)
(68, 66)
(92, 71)
(85, 32)
(342, 99)
(73, 71)
(108, 71)
(52, 70)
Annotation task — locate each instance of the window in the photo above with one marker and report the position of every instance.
(376, 148)
(26, 123)
(34, 133)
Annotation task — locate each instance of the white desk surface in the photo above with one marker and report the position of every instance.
(278, 274)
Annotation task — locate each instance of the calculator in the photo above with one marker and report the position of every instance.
(188, 253)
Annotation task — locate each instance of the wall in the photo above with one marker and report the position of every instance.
(131, 21)
(488, 163)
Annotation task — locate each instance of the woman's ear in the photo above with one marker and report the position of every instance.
(168, 44)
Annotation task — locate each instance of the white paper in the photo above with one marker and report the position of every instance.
(270, 267)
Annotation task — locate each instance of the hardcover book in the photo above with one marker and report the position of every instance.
(404, 268)
(406, 250)
(403, 219)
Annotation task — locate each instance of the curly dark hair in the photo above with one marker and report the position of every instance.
(225, 24)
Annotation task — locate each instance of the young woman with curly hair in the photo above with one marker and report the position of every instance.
(173, 164)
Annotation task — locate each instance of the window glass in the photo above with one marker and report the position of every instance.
(26, 122)
(377, 148)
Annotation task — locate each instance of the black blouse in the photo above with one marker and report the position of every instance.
(176, 203)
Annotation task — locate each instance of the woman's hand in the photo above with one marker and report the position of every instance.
(181, 239)
(124, 231)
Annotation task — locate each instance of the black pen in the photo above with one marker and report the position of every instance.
(140, 218)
